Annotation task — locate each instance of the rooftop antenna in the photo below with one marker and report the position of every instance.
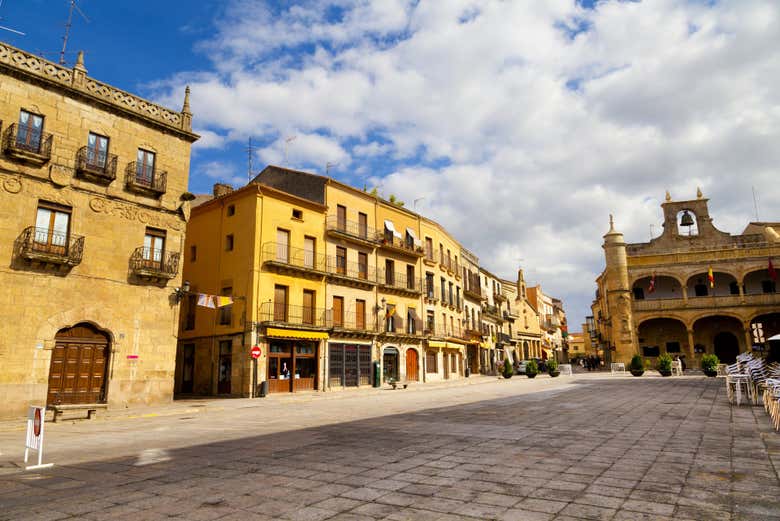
(8, 28)
(416, 200)
(250, 150)
(328, 166)
(68, 24)
(287, 141)
(755, 203)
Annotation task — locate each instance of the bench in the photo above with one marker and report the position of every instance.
(396, 384)
(91, 409)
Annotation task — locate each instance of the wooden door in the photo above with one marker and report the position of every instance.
(280, 303)
(224, 381)
(188, 368)
(308, 307)
(280, 366)
(283, 246)
(338, 311)
(77, 373)
(341, 217)
(446, 365)
(412, 365)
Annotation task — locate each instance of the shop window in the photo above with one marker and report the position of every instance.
(430, 363)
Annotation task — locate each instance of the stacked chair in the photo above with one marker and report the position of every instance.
(750, 378)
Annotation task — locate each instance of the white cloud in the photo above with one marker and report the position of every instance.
(219, 172)
(671, 94)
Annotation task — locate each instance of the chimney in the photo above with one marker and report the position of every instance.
(221, 189)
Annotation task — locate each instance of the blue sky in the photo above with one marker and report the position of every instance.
(520, 126)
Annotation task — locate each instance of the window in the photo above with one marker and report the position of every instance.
(144, 167)
(451, 300)
(192, 305)
(388, 238)
(52, 228)
(449, 260)
(97, 150)
(309, 251)
(430, 362)
(338, 311)
(226, 312)
(457, 296)
(231, 210)
(30, 131)
(308, 306)
(389, 272)
(409, 241)
(229, 242)
(363, 225)
(390, 318)
(454, 364)
(700, 289)
(193, 253)
(362, 265)
(443, 291)
(280, 303)
(673, 347)
(282, 245)
(154, 246)
(429, 322)
(429, 289)
(360, 314)
(411, 321)
(639, 293)
(441, 253)
(452, 326)
(341, 260)
(341, 217)
(768, 286)
(410, 277)
(651, 351)
(733, 288)
(297, 214)
(429, 248)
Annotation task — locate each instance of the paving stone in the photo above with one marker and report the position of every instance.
(541, 505)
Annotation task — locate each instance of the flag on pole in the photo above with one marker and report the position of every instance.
(711, 277)
(772, 272)
(651, 287)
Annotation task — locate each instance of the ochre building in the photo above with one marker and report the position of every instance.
(93, 185)
(692, 290)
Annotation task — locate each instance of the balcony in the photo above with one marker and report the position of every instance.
(439, 330)
(390, 242)
(146, 183)
(429, 258)
(296, 261)
(499, 297)
(448, 264)
(25, 144)
(352, 322)
(396, 282)
(475, 293)
(432, 293)
(350, 273)
(492, 312)
(708, 302)
(300, 317)
(154, 265)
(47, 248)
(95, 166)
(350, 231)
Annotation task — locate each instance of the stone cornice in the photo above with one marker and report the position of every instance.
(75, 81)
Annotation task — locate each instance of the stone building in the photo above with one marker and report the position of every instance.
(692, 290)
(93, 187)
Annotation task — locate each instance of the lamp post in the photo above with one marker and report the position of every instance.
(179, 293)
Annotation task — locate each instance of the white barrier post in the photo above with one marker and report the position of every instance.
(35, 422)
(618, 367)
(565, 369)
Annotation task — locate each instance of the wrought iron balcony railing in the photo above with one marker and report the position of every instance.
(432, 292)
(285, 314)
(139, 180)
(96, 165)
(445, 330)
(492, 311)
(351, 321)
(398, 281)
(355, 271)
(152, 263)
(299, 259)
(28, 143)
(390, 241)
(350, 229)
(50, 247)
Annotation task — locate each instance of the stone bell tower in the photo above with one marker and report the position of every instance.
(620, 323)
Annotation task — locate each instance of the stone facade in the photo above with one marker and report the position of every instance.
(692, 290)
(74, 224)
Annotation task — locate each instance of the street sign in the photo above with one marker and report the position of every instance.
(256, 351)
(35, 419)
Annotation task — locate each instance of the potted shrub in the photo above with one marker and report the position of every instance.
(507, 370)
(531, 369)
(637, 365)
(552, 367)
(665, 364)
(709, 364)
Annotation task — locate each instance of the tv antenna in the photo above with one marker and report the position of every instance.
(68, 24)
(414, 204)
(330, 165)
(250, 150)
(755, 203)
(3, 27)
(287, 142)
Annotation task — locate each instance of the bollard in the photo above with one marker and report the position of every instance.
(263, 388)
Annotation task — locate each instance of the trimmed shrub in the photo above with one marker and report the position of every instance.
(637, 363)
(709, 362)
(532, 368)
(665, 362)
(507, 371)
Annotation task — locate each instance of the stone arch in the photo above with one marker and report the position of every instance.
(724, 278)
(758, 282)
(670, 316)
(663, 335)
(647, 274)
(719, 313)
(665, 286)
(93, 315)
(687, 231)
(707, 328)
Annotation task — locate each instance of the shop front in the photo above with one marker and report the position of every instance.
(349, 364)
(293, 360)
(390, 364)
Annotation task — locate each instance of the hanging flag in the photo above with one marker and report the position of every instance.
(772, 272)
(711, 277)
(390, 311)
(651, 287)
(223, 301)
(207, 301)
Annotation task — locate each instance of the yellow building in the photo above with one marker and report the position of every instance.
(93, 187)
(576, 346)
(522, 319)
(694, 289)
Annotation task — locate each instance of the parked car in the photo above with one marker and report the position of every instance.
(541, 364)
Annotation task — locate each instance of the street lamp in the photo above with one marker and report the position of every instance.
(179, 293)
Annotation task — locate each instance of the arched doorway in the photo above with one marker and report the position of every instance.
(726, 347)
(412, 365)
(390, 364)
(79, 363)
(526, 351)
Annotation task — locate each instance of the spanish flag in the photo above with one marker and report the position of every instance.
(390, 311)
(711, 277)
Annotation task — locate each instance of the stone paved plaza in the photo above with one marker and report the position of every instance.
(588, 447)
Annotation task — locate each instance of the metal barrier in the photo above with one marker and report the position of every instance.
(617, 368)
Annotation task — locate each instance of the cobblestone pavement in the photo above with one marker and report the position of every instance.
(589, 447)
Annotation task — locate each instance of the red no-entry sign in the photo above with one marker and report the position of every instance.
(256, 352)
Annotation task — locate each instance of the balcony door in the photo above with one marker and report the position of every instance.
(283, 246)
(52, 226)
(308, 307)
(30, 131)
(97, 151)
(280, 303)
(341, 217)
(154, 245)
(309, 249)
(338, 311)
(144, 167)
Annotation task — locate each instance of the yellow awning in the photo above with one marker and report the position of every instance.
(436, 343)
(295, 333)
